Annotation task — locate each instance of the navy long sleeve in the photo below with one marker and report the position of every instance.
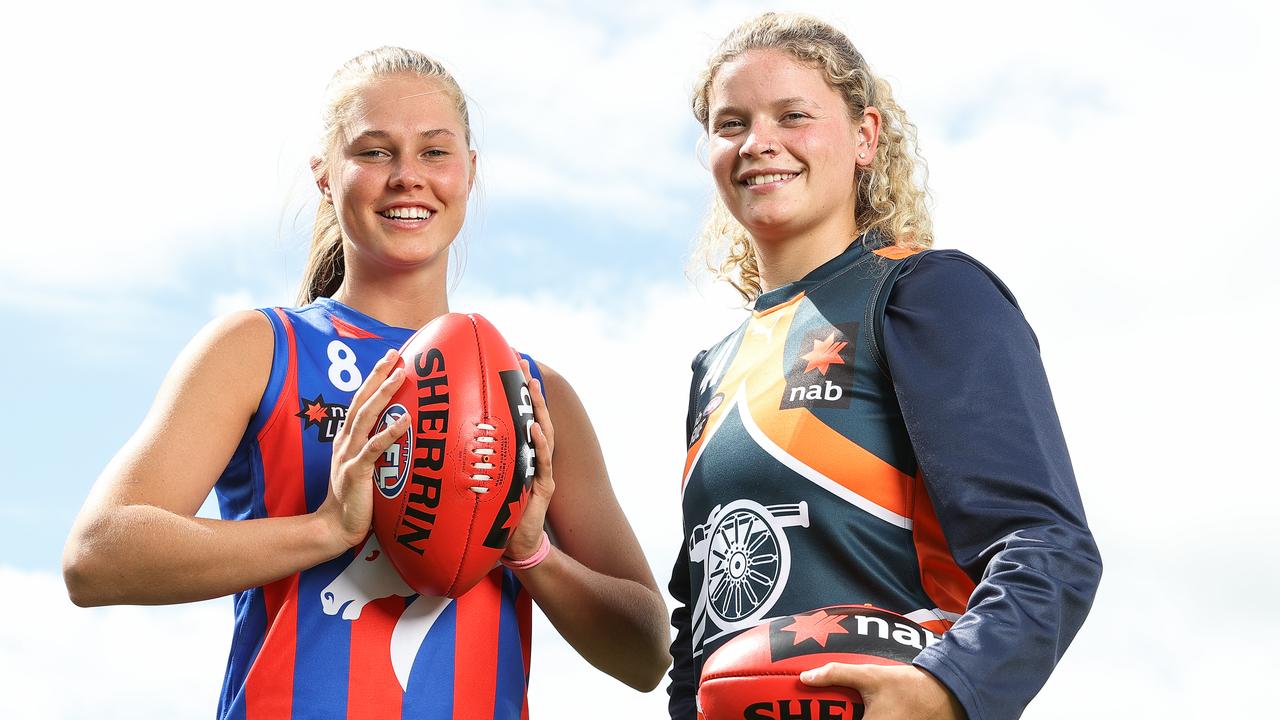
(968, 376)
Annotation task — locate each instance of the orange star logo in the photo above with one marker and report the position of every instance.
(824, 354)
(316, 412)
(816, 626)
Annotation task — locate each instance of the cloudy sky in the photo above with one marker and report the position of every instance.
(1112, 162)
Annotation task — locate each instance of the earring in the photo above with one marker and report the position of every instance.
(862, 155)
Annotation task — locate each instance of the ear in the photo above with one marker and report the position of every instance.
(321, 175)
(867, 136)
(471, 181)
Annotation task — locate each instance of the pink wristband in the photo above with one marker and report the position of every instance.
(544, 549)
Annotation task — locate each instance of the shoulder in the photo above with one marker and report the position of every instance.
(948, 281)
(557, 388)
(246, 334)
(946, 303)
(234, 351)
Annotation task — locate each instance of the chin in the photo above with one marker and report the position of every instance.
(770, 228)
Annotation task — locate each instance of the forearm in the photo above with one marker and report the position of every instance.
(146, 555)
(1029, 606)
(617, 625)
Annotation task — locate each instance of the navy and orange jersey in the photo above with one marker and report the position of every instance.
(348, 638)
(818, 475)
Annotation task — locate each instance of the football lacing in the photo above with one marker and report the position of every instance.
(482, 463)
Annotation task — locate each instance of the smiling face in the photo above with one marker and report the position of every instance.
(783, 149)
(399, 173)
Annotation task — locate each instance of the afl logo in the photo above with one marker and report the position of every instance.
(392, 467)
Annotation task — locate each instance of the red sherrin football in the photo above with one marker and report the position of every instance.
(756, 675)
(448, 493)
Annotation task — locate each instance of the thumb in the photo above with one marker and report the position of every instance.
(858, 677)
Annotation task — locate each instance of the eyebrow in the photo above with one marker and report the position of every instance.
(383, 134)
(780, 102)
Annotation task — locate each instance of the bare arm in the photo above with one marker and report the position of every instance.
(136, 539)
(596, 587)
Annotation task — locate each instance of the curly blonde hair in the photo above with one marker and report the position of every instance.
(325, 264)
(891, 191)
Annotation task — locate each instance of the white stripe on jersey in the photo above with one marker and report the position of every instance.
(923, 616)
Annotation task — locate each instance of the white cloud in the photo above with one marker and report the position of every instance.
(60, 661)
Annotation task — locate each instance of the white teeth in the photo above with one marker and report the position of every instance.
(407, 213)
(775, 177)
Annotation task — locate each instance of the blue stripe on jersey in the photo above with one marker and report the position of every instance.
(510, 686)
(275, 380)
(243, 500)
(430, 690)
(251, 622)
(235, 497)
(322, 662)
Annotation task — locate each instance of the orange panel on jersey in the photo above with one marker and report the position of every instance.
(807, 439)
(757, 350)
(894, 252)
(943, 580)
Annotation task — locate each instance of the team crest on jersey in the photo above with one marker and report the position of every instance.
(391, 468)
(328, 417)
(746, 561)
(820, 375)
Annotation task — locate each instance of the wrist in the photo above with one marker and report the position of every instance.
(327, 535)
(533, 559)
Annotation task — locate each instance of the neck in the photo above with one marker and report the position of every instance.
(786, 258)
(408, 299)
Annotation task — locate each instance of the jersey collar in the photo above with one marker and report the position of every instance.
(858, 249)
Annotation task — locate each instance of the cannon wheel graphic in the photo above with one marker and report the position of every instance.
(748, 560)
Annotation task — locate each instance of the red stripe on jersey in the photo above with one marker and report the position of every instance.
(524, 617)
(268, 690)
(373, 691)
(269, 686)
(475, 654)
(347, 330)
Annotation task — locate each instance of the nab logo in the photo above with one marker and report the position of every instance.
(327, 416)
(392, 467)
(820, 374)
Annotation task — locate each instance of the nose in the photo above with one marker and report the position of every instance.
(760, 142)
(406, 175)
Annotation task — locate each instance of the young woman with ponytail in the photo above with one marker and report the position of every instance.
(273, 409)
(879, 431)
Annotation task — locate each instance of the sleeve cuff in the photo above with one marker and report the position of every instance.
(946, 673)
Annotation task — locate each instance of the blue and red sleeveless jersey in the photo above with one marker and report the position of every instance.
(348, 638)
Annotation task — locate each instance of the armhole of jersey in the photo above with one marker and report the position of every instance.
(281, 332)
(876, 305)
(536, 372)
(694, 382)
